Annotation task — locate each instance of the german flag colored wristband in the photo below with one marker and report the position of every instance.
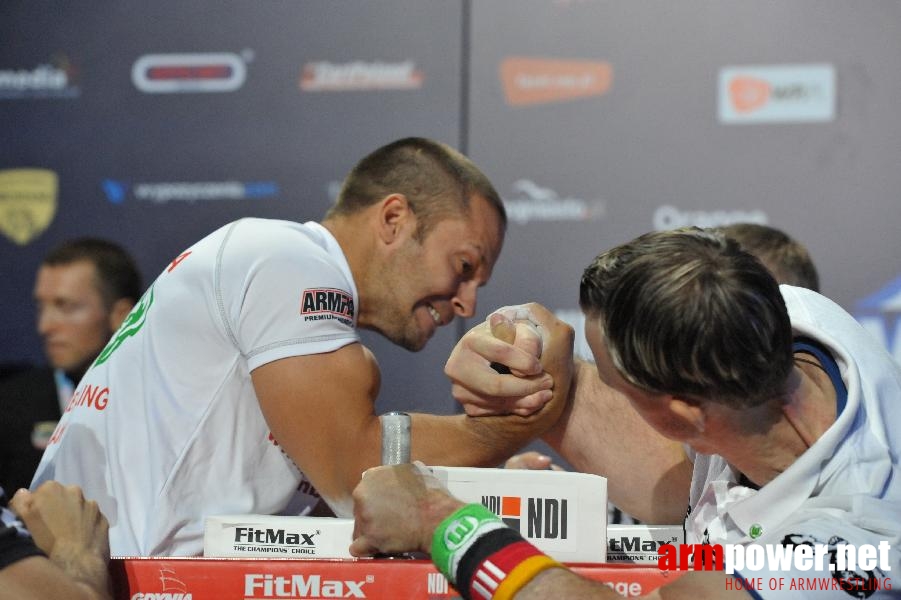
(517, 577)
(498, 565)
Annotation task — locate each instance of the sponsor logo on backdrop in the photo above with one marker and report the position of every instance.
(324, 76)
(27, 202)
(671, 217)
(531, 202)
(118, 192)
(544, 518)
(880, 314)
(172, 588)
(189, 73)
(57, 78)
(530, 81)
(265, 585)
(777, 94)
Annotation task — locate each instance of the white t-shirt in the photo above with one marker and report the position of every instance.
(165, 427)
(845, 489)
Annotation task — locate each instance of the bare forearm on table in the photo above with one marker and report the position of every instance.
(459, 440)
(37, 578)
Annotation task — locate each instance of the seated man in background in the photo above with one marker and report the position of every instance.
(83, 290)
(64, 551)
(240, 374)
(768, 412)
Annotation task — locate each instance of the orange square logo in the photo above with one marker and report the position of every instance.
(511, 506)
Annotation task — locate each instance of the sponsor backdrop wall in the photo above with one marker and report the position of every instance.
(153, 124)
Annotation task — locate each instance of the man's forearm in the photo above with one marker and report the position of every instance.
(599, 432)
(562, 583)
(36, 578)
(89, 570)
(459, 440)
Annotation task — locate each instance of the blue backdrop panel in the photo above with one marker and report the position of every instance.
(177, 117)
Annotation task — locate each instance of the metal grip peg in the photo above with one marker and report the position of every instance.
(395, 438)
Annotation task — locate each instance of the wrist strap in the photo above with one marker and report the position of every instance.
(477, 576)
(500, 564)
(457, 533)
(522, 574)
(482, 557)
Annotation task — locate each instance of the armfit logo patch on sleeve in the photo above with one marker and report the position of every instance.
(327, 303)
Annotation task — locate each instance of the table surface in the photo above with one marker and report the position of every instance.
(374, 579)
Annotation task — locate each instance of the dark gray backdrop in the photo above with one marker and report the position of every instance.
(596, 119)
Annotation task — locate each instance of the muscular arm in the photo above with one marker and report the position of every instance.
(648, 476)
(320, 408)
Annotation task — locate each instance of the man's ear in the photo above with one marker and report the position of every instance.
(395, 216)
(119, 311)
(690, 414)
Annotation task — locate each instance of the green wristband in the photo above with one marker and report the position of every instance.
(456, 534)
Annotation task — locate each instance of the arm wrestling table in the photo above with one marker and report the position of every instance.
(374, 579)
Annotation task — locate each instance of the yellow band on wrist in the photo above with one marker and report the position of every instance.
(522, 574)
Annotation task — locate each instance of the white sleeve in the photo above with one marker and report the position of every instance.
(284, 297)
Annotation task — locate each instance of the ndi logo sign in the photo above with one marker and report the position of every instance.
(546, 518)
(880, 314)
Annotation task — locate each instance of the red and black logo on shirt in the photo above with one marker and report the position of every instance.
(327, 301)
